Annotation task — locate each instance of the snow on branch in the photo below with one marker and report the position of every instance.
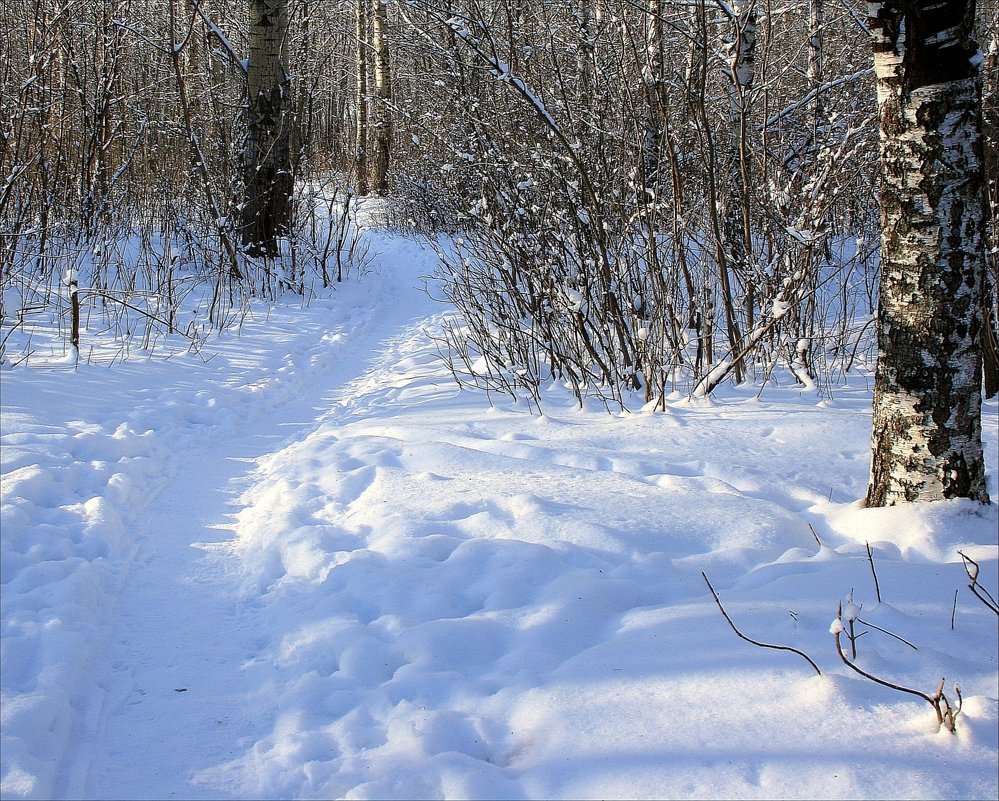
(502, 72)
(221, 38)
(808, 98)
(793, 292)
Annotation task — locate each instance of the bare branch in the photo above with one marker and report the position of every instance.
(945, 714)
(982, 594)
(890, 634)
(802, 654)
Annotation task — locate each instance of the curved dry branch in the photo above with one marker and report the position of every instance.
(982, 594)
(946, 715)
(757, 643)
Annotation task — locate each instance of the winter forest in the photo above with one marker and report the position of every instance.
(499, 398)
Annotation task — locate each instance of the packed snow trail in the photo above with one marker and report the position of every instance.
(175, 696)
(112, 479)
(182, 682)
(310, 567)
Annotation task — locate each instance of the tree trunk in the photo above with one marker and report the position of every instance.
(361, 121)
(990, 303)
(736, 219)
(737, 227)
(927, 441)
(816, 22)
(652, 120)
(382, 117)
(267, 161)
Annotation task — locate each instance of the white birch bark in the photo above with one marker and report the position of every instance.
(990, 115)
(361, 119)
(267, 162)
(927, 400)
(381, 122)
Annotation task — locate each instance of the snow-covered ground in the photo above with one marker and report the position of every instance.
(303, 564)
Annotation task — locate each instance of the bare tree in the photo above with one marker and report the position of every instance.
(927, 442)
(381, 122)
(268, 176)
(361, 120)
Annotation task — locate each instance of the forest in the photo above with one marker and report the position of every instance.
(643, 191)
(642, 197)
(499, 398)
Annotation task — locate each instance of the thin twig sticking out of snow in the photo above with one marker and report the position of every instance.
(802, 654)
(870, 558)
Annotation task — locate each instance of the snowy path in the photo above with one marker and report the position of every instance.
(310, 567)
(183, 652)
(175, 699)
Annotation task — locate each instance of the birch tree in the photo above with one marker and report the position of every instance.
(381, 122)
(927, 441)
(361, 118)
(268, 176)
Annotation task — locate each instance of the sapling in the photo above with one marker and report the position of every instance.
(850, 616)
(946, 714)
(74, 304)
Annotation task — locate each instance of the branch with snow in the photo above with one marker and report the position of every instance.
(780, 306)
(221, 38)
(819, 90)
(946, 714)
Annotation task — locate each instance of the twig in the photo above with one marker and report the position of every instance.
(870, 558)
(816, 536)
(890, 634)
(946, 716)
(803, 655)
(972, 569)
(953, 611)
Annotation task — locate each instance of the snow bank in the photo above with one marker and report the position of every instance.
(397, 591)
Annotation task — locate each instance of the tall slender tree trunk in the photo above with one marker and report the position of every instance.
(301, 143)
(361, 121)
(584, 12)
(816, 22)
(652, 121)
(927, 442)
(382, 117)
(737, 226)
(736, 220)
(267, 160)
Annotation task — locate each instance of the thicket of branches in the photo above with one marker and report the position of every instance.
(650, 195)
(121, 137)
(642, 195)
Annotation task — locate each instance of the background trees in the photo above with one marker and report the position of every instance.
(678, 223)
(647, 197)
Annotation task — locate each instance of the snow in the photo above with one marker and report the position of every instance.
(303, 564)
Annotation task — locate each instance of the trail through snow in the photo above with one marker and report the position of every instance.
(308, 566)
(181, 660)
(187, 637)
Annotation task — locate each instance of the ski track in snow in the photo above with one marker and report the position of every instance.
(356, 581)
